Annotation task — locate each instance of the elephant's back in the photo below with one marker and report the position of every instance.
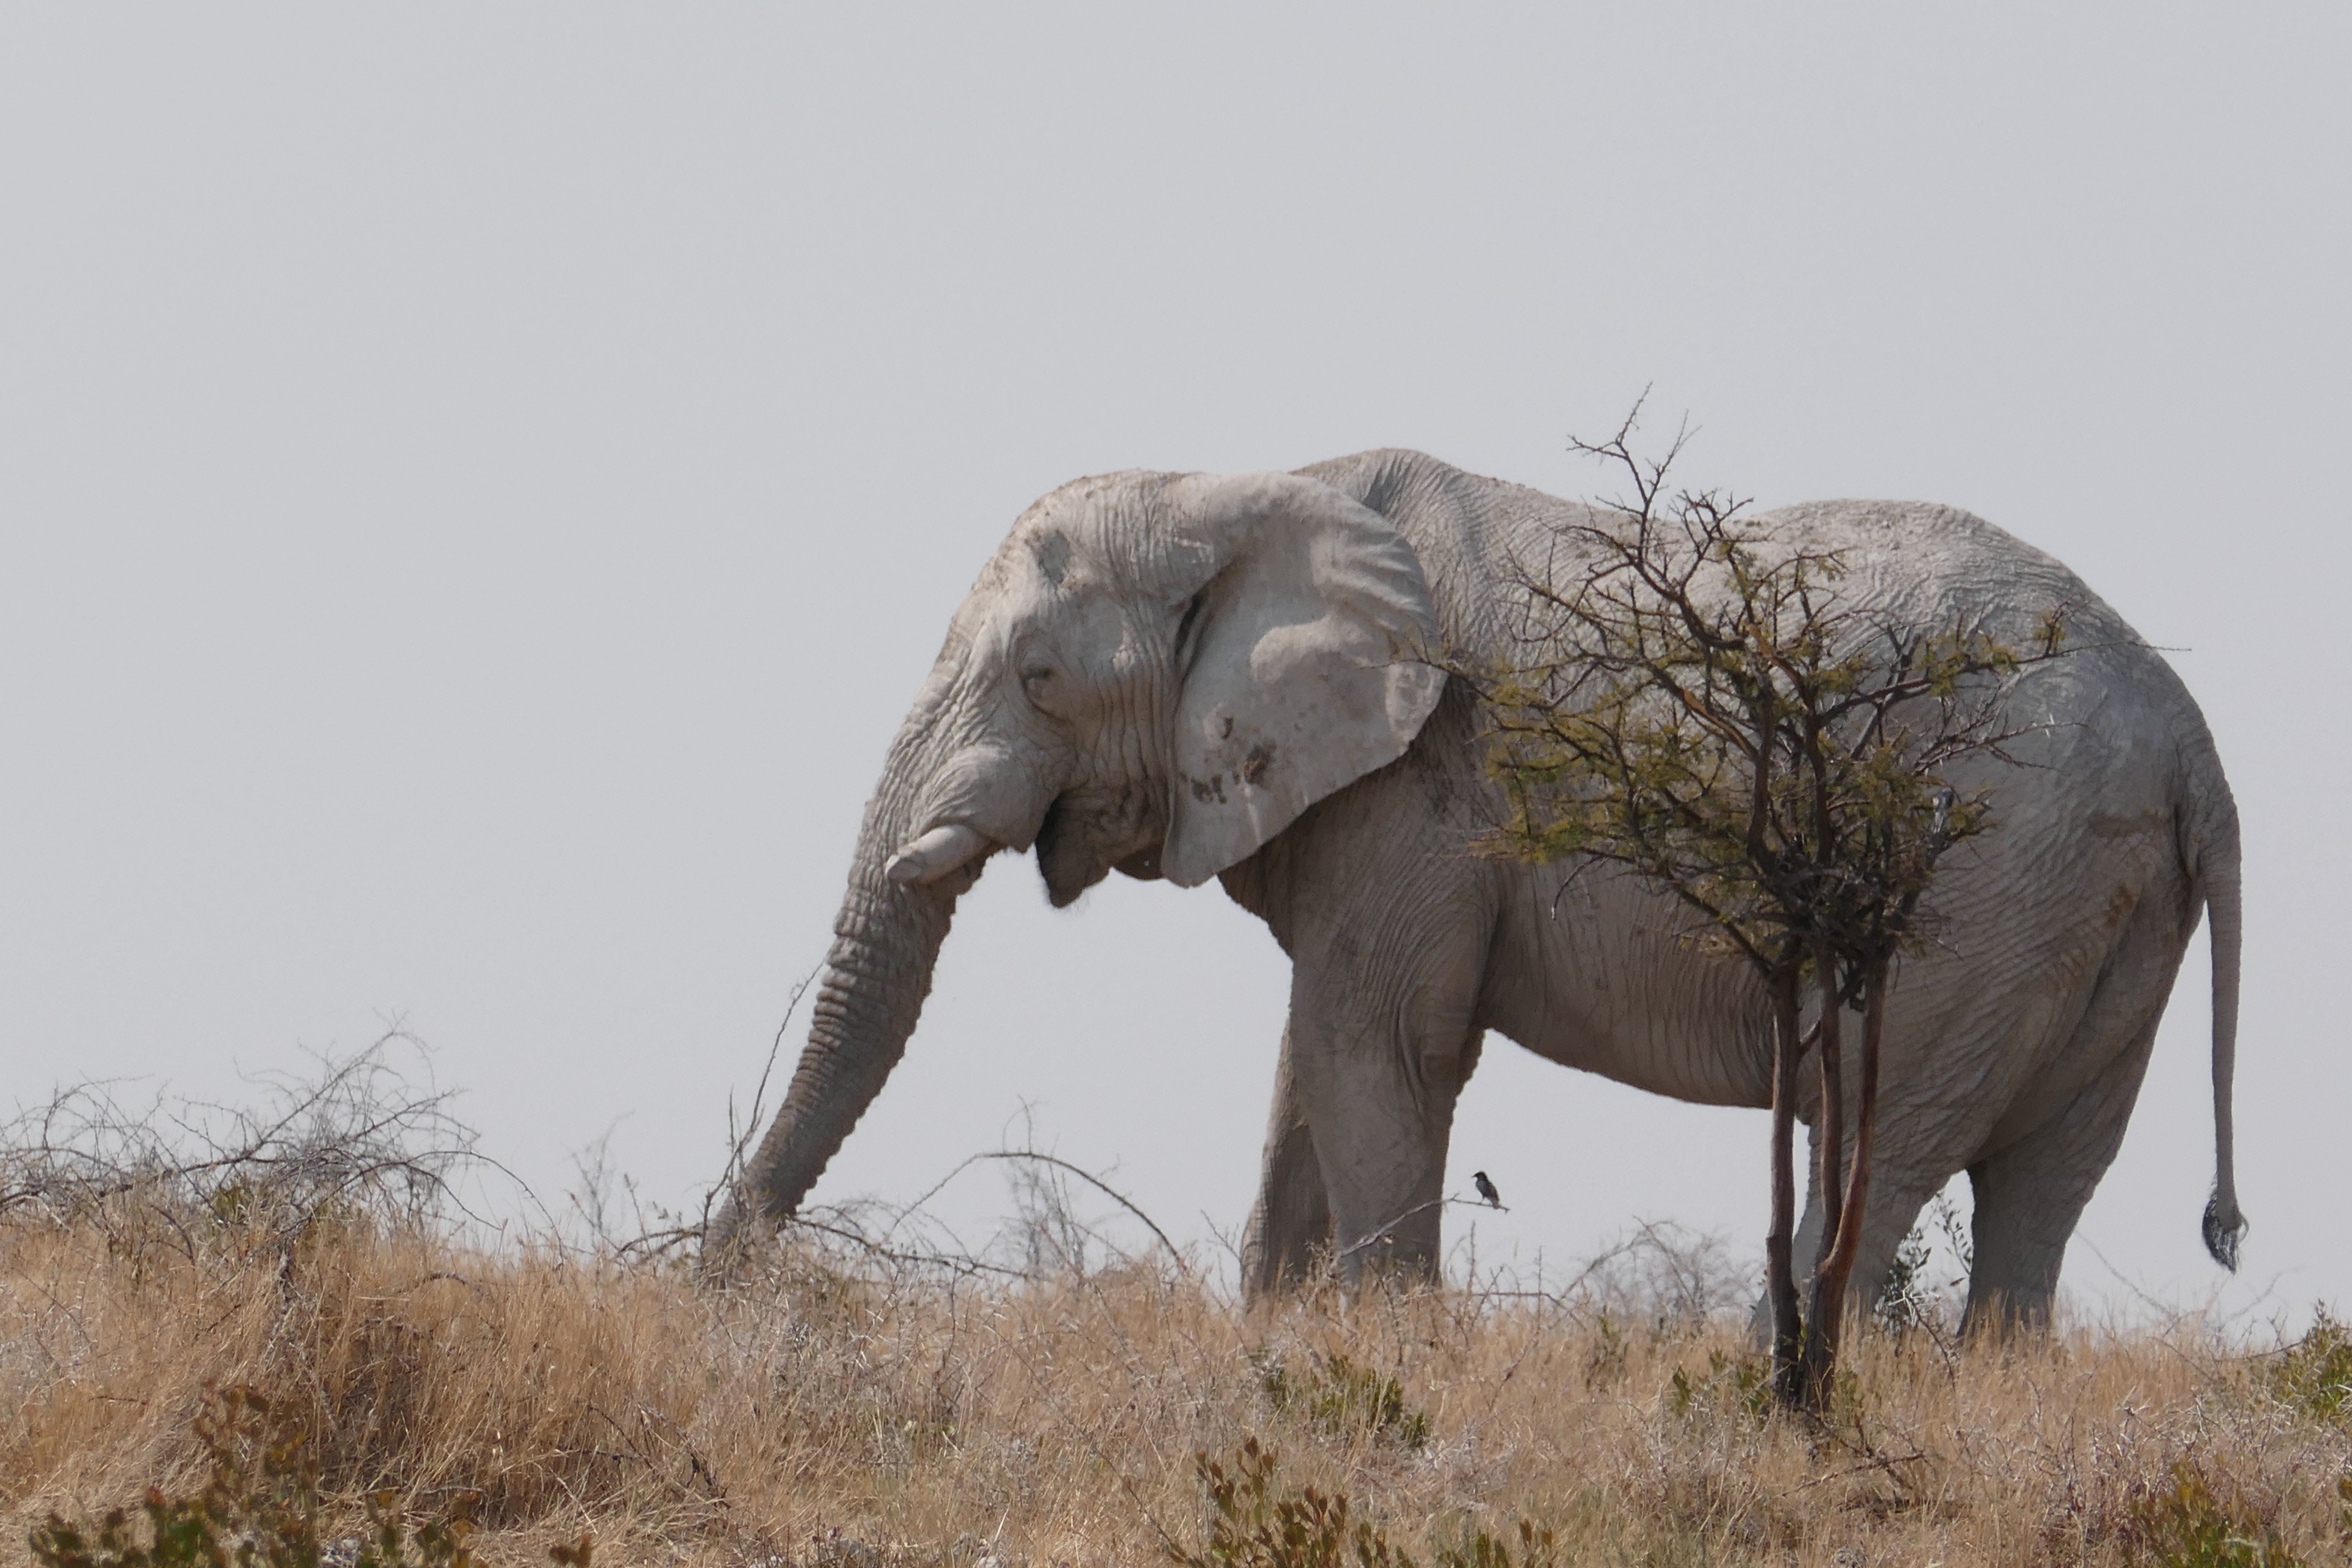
(2110, 709)
(1481, 539)
(1935, 566)
(1931, 564)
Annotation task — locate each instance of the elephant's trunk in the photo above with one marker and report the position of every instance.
(887, 940)
(876, 979)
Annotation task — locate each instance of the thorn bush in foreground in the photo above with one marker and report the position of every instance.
(260, 1506)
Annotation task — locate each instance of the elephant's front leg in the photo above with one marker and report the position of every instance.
(1380, 1044)
(1289, 1235)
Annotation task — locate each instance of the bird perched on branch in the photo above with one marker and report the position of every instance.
(1486, 1189)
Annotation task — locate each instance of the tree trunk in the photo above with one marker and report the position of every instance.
(1825, 1321)
(1780, 1241)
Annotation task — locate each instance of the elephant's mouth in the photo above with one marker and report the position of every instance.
(1088, 833)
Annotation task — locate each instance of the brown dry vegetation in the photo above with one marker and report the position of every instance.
(837, 1409)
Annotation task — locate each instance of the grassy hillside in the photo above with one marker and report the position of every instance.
(865, 1395)
(841, 1407)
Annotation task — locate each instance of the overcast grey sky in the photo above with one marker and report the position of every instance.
(480, 484)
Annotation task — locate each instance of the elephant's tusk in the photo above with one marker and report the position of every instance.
(937, 853)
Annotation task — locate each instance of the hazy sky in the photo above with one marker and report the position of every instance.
(480, 484)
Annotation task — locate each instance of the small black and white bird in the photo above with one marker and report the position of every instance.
(1486, 1189)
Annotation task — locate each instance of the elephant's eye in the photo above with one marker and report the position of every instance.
(1036, 683)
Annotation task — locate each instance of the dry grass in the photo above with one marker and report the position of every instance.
(836, 1410)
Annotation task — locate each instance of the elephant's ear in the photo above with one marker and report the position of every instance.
(1308, 659)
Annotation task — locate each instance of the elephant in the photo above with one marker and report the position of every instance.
(1255, 677)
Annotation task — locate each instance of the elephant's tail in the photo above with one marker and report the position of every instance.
(2213, 852)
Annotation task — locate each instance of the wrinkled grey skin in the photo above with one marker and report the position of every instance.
(1188, 676)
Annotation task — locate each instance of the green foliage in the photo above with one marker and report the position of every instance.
(1740, 1384)
(259, 1504)
(1337, 1397)
(1606, 1363)
(2315, 1374)
(1908, 1300)
(2189, 1525)
(258, 1509)
(1255, 1524)
(1483, 1550)
(230, 1205)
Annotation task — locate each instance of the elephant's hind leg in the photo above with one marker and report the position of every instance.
(2031, 1194)
(2031, 1190)
(1289, 1234)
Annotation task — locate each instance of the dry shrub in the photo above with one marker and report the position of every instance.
(358, 1137)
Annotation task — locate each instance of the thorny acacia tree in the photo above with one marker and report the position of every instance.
(1716, 713)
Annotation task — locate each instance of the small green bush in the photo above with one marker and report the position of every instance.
(1735, 1384)
(1337, 1396)
(259, 1509)
(1909, 1299)
(1255, 1525)
(2314, 1373)
(2189, 1525)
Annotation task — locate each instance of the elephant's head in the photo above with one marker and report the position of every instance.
(1155, 673)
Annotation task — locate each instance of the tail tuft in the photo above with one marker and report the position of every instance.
(2224, 1226)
